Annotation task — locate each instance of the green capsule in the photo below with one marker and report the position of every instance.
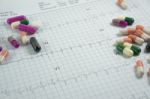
(26, 22)
(129, 20)
(120, 48)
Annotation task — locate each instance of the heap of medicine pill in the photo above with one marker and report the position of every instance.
(26, 29)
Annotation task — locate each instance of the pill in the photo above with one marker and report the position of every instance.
(139, 69)
(124, 50)
(1, 48)
(122, 4)
(127, 31)
(36, 46)
(24, 38)
(27, 28)
(122, 40)
(14, 25)
(16, 18)
(136, 50)
(13, 42)
(148, 73)
(141, 34)
(36, 24)
(136, 39)
(129, 20)
(144, 29)
(119, 22)
(3, 55)
(147, 48)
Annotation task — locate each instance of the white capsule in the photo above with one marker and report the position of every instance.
(24, 38)
(36, 24)
(127, 52)
(14, 25)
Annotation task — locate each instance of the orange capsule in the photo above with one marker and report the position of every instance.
(141, 34)
(122, 4)
(144, 29)
(136, 39)
(128, 31)
(3, 55)
(139, 69)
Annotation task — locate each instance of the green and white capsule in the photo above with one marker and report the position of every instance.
(129, 20)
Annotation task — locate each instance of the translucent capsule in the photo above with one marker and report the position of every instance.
(124, 50)
(16, 18)
(127, 32)
(3, 55)
(122, 4)
(24, 38)
(122, 40)
(36, 46)
(136, 50)
(119, 22)
(144, 29)
(136, 39)
(27, 28)
(36, 24)
(141, 34)
(13, 42)
(129, 20)
(139, 69)
(147, 49)
(148, 73)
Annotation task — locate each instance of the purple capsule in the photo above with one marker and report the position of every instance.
(1, 48)
(27, 28)
(13, 42)
(16, 18)
(119, 22)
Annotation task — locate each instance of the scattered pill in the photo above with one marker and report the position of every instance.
(129, 20)
(148, 73)
(13, 42)
(139, 69)
(124, 50)
(144, 29)
(122, 4)
(27, 28)
(36, 46)
(136, 39)
(136, 50)
(3, 55)
(24, 38)
(16, 18)
(36, 24)
(122, 40)
(127, 31)
(141, 34)
(119, 22)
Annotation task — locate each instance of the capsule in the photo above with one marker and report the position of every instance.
(24, 38)
(144, 29)
(27, 28)
(139, 69)
(122, 40)
(36, 46)
(3, 55)
(15, 25)
(13, 42)
(147, 48)
(1, 48)
(124, 50)
(16, 18)
(148, 73)
(36, 24)
(136, 50)
(141, 34)
(129, 20)
(119, 22)
(127, 32)
(122, 4)
(136, 39)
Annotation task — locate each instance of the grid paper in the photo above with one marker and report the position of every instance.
(77, 59)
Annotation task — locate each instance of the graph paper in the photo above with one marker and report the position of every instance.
(77, 60)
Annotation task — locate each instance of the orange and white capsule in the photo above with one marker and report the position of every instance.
(144, 29)
(136, 39)
(125, 39)
(141, 34)
(148, 73)
(24, 38)
(3, 55)
(128, 31)
(122, 4)
(139, 69)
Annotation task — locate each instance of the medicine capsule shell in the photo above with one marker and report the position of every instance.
(24, 38)
(120, 23)
(3, 55)
(129, 31)
(16, 18)
(136, 39)
(36, 46)
(143, 28)
(139, 69)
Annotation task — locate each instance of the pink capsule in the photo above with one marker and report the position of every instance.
(16, 18)
(119, 22)
(27, 28)
(13, 42)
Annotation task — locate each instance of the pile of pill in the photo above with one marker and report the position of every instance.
(123, 21)
(26, 29)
